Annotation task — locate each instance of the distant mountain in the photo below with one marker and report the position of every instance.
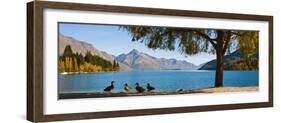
(201, 65)
(83, 47)
(141, 61)
(232, 58)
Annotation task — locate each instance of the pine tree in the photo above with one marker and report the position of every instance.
(80, 59)
(68, 51)
(88, 57)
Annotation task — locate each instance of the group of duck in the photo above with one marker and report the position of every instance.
(128, 88)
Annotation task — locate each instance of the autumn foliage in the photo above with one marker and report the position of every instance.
(75, 62)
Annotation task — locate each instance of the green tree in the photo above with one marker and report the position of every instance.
(68, 51)
(193, 41)
(80, 59)
(89, 57)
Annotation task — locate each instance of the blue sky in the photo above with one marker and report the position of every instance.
(110, 39)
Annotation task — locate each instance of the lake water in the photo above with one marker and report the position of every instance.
(168, 80)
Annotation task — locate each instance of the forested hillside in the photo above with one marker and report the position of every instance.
(76, 62)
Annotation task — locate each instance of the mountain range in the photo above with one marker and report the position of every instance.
(232, 58)
(134, 60)
(142, 61)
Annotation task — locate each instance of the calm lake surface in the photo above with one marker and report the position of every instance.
(168, 80)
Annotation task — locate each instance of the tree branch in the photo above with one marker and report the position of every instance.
(227, 41)
(213, 43)
(206, 37)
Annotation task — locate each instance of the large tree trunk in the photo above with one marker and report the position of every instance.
(220, 60)
(219, 70)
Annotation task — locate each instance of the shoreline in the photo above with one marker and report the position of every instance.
(226, 89)
(74, 73)
(71, 73)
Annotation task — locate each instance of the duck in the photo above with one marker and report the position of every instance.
(109, 88)
(139, 89)
(180, 90)
(127, 88)
(149, 88)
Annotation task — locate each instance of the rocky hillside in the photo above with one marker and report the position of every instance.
(81, 47)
